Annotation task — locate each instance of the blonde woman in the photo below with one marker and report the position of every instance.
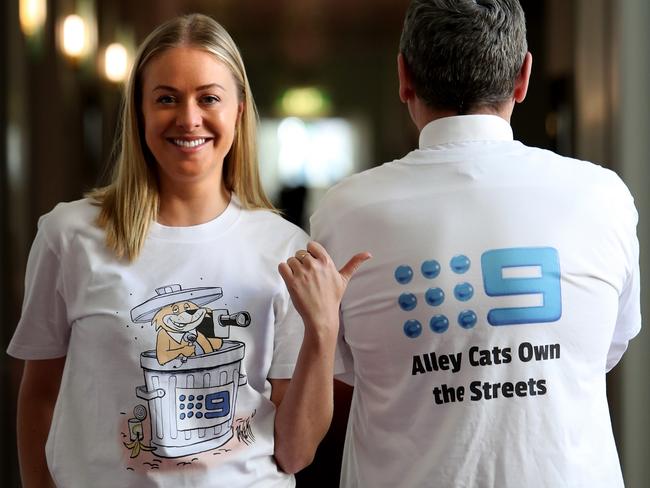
(161, 344)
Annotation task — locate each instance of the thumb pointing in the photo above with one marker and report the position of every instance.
(353, 264)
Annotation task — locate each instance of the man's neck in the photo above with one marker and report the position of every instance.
(422, 114)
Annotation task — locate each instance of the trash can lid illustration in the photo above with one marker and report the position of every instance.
(166, 295)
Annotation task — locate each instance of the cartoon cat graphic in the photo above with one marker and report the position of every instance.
(178, 336)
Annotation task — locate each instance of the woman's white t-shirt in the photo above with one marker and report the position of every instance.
(139, 405)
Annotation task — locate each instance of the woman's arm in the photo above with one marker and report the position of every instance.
(304, 403)
(304, 407)
(39, 389)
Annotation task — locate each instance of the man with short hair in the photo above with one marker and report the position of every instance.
(504, 282)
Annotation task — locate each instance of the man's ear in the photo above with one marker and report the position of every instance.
(523, 78)
(406, 90)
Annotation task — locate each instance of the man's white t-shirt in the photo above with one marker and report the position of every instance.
(504, 284)
(137, 406)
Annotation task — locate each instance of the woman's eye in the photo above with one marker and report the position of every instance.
(165, 99)
(210, 99)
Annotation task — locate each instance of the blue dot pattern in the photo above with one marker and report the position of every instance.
(412, 328)
(460, 264)
(463, 291)
(403, 274)
(467, 319)
(407, 301)
(190, 409)
(430, 269)
(435, 296)
(439, 324)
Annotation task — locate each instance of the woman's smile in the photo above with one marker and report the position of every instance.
(190, 145)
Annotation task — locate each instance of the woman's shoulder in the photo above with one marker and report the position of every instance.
(68, 218)
(263, 216)
(272, 225)
(65, 214)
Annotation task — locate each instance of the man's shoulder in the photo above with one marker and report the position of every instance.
(363, 184)
(577, 170)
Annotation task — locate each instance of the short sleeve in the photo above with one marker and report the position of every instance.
(289, 328)
(628, 322)
(343, 361)
(43, 330)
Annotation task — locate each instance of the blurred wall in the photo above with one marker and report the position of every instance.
(630, 128)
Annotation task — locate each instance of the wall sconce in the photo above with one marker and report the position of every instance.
(116, 62)
(74, 37)
(32, 15)
(77, 34)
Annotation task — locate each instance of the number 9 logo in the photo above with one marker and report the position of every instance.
(544, 259)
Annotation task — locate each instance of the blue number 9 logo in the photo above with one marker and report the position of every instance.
(545, 261)
(217, 404)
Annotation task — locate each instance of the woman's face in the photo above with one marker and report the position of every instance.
(190, 104)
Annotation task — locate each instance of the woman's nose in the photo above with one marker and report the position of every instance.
(189, 116)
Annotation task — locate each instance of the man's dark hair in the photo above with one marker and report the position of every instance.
(464, 54)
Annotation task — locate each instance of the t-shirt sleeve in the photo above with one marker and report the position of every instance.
(628, 322)
(289, 328)
(343, 362)
(319, 225)
(43, 330)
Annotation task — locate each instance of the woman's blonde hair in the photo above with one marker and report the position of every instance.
(130, 202)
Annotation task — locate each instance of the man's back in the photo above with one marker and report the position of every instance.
(503, 285)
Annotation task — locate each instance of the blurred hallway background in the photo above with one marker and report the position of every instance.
(323, 73)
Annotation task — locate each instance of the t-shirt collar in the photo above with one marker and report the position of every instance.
(465, 128)
(208, 230)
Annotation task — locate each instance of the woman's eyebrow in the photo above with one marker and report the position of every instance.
(198, 88)
(165, 88)
(210, 85)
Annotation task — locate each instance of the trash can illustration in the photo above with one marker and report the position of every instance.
(192, 406)
(192, 399)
